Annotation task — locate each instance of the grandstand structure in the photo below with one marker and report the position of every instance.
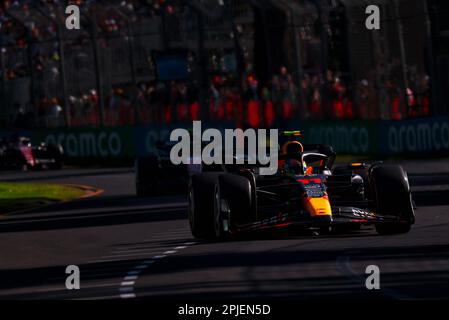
(251, 62)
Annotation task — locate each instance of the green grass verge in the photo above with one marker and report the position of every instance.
(21, 196)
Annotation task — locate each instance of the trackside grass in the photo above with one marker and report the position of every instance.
(21, 196)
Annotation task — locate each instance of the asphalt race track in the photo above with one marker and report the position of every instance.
(127, 247)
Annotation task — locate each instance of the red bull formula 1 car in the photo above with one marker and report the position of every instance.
(307, 191)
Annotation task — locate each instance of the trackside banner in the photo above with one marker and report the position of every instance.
(349, 137)
(146, 136)
(430, 135)
(414, 136)
(85, 142)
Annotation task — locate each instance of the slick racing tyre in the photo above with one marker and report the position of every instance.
(393, 198)
(57, 153)
(145, 171)
(233, 204)
(201, 205)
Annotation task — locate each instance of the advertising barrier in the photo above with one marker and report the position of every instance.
(348, 137)
(429, 135)
(85, 142)
(407, 137)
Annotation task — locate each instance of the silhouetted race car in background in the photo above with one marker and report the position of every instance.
(19, 153)
(307, 191)
(155, 174)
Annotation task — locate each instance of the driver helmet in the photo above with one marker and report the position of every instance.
(292, 147)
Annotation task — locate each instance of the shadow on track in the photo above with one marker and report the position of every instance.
(279, 257)
(423, 283)
(101, 211)
(309, 280)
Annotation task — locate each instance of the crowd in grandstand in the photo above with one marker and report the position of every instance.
(250, 105)
(245, 102)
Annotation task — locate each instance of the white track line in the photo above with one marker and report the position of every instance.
(129, 281)
(127, 296)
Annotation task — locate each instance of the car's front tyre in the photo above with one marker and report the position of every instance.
(392, 196)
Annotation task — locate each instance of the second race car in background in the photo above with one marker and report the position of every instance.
(155, 174)
(19, 153)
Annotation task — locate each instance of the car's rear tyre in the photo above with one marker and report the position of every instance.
(392, 195)
(145, 170)
(201, 205)
(144, 191)
(233, 204)
(221, 215)
(57, 153)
